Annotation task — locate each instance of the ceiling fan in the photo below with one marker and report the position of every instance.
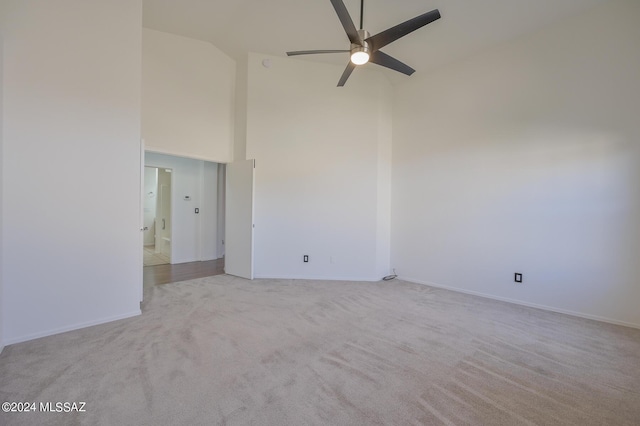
(365, 48)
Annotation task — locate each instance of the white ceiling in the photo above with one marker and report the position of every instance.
(276, 26)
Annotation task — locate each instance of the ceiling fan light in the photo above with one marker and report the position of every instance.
(359, 56)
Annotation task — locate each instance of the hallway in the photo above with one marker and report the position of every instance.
(167, 273)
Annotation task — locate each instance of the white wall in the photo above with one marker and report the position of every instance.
(2, 310)
(187, 97)
(222, 198)
(194, 236)
(318, 161)
(526, 159)
(240, 128)
(71, 86)
(383, 205)
(209, 212)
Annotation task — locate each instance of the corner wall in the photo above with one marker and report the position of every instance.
(322, 169)
(527, 159)
(71, 244)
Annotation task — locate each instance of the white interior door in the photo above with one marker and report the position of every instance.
(238, 259)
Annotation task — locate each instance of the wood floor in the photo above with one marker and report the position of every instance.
(164, 274)
(151, 258)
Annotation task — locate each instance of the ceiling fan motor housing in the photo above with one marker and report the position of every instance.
(362, 48)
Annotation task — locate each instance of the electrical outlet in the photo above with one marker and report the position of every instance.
(517, 277)
(305, 258)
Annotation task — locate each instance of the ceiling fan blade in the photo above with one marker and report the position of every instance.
(380, 40)
(346, 21)
(313, 52)
(347, 72)
(385, 60)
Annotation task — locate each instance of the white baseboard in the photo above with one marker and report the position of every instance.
(522, 303)
(69, 328)
(313, 277)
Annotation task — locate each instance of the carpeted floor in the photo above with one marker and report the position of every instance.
(222, 350)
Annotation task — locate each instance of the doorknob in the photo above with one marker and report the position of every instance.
(146, 228)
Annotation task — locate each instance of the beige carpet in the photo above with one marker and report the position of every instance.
(222, 350)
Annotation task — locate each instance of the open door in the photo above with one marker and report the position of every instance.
(238, 259)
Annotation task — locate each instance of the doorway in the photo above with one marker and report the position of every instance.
(157, 216)
(196, 220)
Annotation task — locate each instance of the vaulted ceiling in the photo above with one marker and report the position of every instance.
(276, 26)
